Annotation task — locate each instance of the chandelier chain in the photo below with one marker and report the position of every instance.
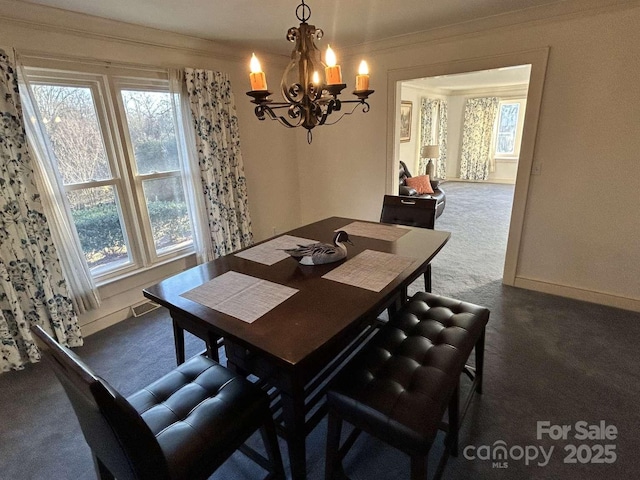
(303, 12)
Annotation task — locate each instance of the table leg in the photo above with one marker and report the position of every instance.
(294, 419)
(212, 346)
(178, 338)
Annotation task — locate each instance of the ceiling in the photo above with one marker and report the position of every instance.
(261, 25)
(496, 78)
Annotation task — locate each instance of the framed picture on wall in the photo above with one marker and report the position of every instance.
(405, 121)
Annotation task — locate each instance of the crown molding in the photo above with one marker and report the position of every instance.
(555, 12)
(442, 92)
(511, 90)
(502, 90)
(55, 20)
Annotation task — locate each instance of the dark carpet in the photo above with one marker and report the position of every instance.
(547, 359)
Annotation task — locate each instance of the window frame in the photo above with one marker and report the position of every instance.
(522, 101)
(119, 84)
(106, 87)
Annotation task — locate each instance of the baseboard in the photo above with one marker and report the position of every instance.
(591, 296)
(106, 321)
(495, 180)
(507, 181)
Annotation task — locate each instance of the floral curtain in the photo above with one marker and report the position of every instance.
(479, 120)
(32, 287)
(433, 131)
(220, 160)
(80, 283)
(441, 165)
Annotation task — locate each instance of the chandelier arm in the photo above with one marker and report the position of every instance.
(262, 111)
(364, 103)
(285, 122)
(365, 109)
(332, 105)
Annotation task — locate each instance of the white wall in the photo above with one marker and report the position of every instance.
(410, 151)
(579, 239)
(269, 150)
(455, 117)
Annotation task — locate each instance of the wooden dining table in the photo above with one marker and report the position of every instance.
(295, 348)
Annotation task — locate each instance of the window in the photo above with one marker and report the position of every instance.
(507, 123)
(117, 155)
(153, 140)
(509, 128)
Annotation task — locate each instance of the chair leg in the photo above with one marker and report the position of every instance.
(419, 464)
(102, 471)
(270, 440)
(427, 279)
(333, 464)
(480, 361)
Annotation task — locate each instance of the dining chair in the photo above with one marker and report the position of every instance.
(182, 426)
(414, 212)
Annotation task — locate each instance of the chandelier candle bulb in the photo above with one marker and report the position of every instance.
(257, 77)
(315, 79)
(332, 71)
(362, 79)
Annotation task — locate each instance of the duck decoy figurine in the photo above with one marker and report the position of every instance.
(320, 253)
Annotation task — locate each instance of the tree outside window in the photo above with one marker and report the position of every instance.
(129, 208)
(508, 128)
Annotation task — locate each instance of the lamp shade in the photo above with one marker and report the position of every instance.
(430, 151)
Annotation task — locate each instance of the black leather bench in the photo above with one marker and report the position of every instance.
(398, 387)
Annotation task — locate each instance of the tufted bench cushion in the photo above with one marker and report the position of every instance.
(179, 408)
(399, 386)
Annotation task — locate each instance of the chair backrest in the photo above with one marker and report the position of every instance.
(115, 432)
(403, 173)
(412, 211)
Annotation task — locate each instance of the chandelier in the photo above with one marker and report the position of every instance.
(309, 87)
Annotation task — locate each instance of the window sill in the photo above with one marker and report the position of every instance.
(144, 275)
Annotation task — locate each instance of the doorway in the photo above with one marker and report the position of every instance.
(452, 114)
(537, 61)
